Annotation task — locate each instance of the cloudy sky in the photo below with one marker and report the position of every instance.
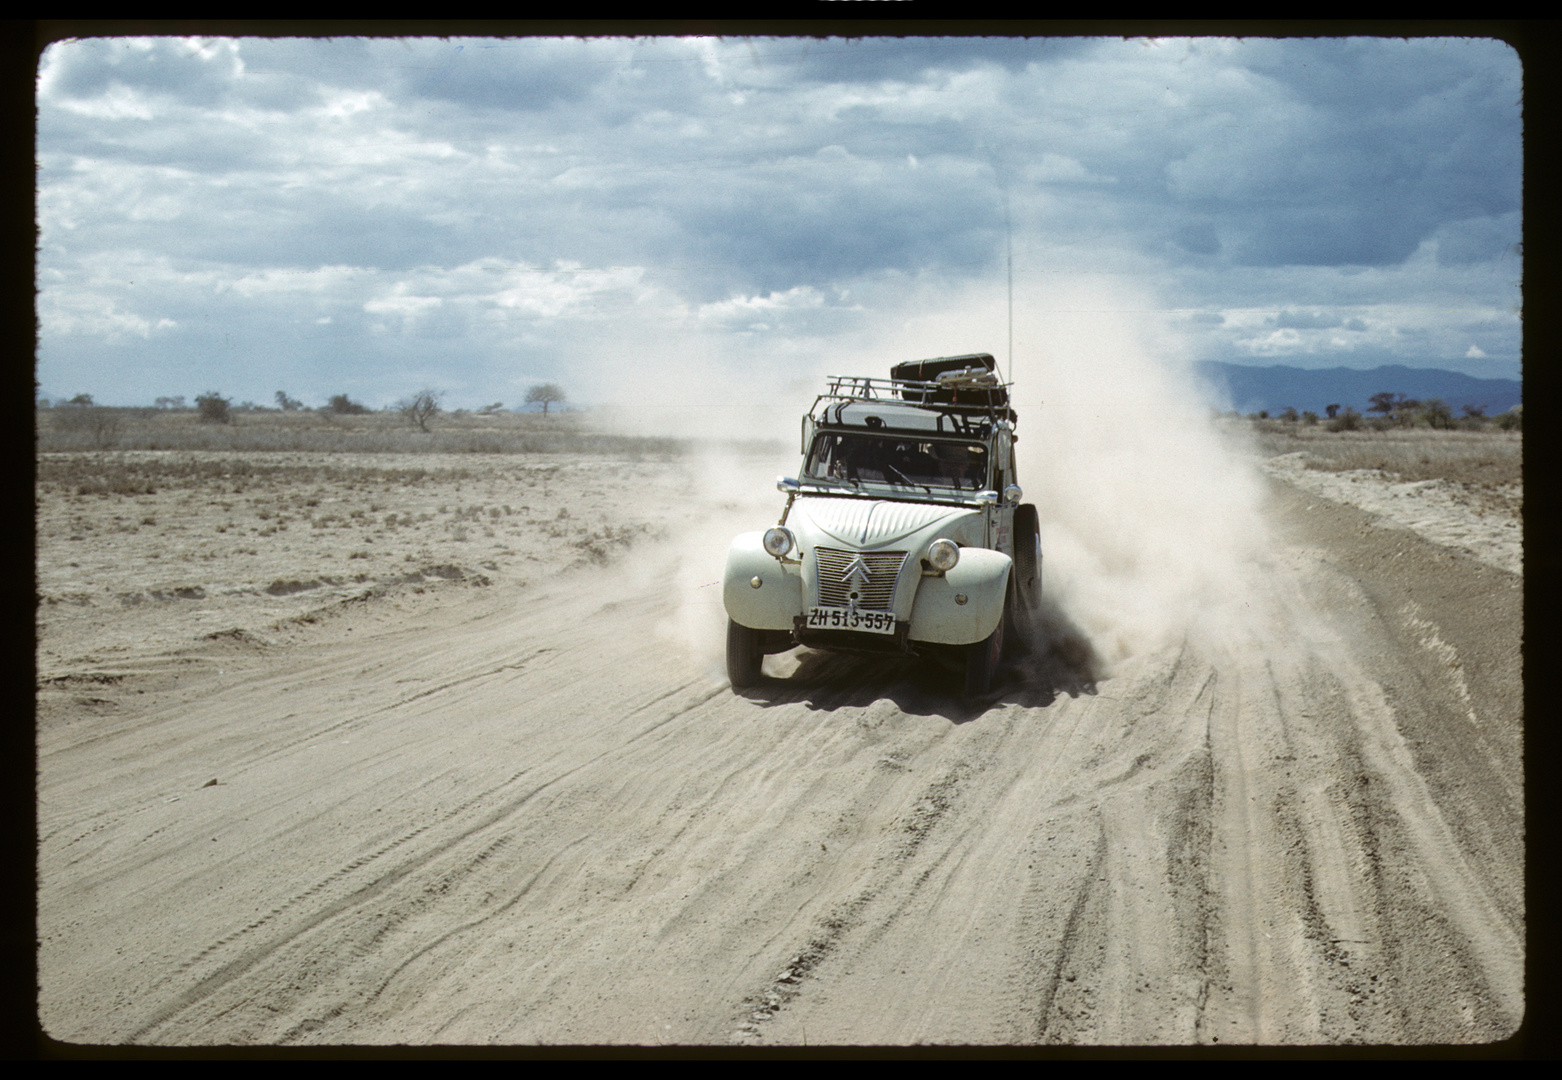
(375, 216)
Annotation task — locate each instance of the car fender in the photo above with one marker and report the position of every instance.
(982, 578)
(779, 597)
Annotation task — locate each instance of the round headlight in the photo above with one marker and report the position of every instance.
(943, 554)
(778, 541)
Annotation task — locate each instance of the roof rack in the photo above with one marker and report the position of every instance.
(940, 395)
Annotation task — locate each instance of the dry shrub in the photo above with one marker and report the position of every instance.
(1349, 420)
(374, 433)
(116, 484)
(96, 426)
(1477, 459)
(143, 476)
(212, 408)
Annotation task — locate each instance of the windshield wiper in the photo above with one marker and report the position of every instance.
(904, 479)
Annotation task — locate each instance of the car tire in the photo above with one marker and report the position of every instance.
(1027, 557)
(982, 658)
(745, 653)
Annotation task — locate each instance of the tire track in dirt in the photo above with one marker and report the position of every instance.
(1063, 1008)
(471, 924)
(1273, 906)
(1258, 837)
(906, 835)
(940, 870)
(321, 888)
(323, 912)
(1442, 925)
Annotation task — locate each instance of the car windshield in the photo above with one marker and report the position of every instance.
(902, 460)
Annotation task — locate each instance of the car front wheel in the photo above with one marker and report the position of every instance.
(981, 660)
(745, 652)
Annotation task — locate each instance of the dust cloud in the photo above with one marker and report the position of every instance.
(1151, 524)
(730, 493)
(1151, 520)
(695, 384)
(735, 405)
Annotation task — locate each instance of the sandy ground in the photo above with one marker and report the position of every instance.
(522, 806)
(252, 544)
(1438, 510)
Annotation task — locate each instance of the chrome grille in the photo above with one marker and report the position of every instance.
(833, 568)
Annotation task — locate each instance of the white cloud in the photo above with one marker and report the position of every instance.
(343, 106)
(803, 297)
(563, 293)
(1056, 169)
(407, 307)
(327, 186)
(116, 103)
(80, 316)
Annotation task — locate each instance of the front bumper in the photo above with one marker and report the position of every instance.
(854, 641)
(960, 607)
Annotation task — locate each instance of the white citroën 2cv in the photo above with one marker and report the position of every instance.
(904, 532)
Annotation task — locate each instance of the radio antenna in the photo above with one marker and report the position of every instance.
(1008, 229)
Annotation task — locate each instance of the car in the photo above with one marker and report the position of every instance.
(902, 533)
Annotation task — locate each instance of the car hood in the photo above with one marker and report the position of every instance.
(872, 523)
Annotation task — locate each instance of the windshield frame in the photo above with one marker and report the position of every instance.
(922, 483)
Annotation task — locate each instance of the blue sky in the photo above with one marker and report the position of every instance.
(373, 216)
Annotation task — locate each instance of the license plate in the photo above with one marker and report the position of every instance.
(868, 622)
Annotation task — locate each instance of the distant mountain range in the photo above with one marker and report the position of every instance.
(1254, 389)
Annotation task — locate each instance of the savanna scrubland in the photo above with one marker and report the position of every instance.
(349, 733)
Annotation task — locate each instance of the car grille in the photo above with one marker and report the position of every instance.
(833, 566)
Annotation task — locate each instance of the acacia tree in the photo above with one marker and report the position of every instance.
(342, 405)
(213, 407)
(1438, 414)
(1383, 403)
(420, 408)
(1393, 406)
(547, 393)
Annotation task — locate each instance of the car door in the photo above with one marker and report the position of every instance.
(1002, 515)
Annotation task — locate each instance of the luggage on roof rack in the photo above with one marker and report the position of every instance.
(963, 380)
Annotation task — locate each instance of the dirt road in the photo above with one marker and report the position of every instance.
(530, 815)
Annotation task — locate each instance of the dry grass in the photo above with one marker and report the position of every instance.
(1487, 466)
(115, 474)
(126, 539)
(75, 429)
(1482, 459)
